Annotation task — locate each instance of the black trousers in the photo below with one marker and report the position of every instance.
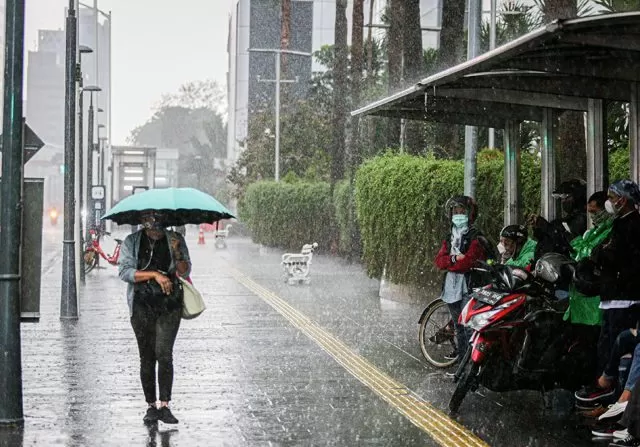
(156, 333)
(614, 321)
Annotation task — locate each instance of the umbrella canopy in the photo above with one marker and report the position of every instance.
(181, 206)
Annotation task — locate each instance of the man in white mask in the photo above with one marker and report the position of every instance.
(459, 252)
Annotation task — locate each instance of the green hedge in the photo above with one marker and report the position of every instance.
(288, 215)
(400, 198)
(619, 165)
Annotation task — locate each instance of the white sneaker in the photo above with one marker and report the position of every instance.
(621, 434)
(614, 410)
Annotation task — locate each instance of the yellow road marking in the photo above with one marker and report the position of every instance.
(442, 429)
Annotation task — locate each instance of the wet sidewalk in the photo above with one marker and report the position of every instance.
(266, 364)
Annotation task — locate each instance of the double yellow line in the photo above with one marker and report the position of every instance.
(445, 431)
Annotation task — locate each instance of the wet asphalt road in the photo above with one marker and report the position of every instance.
(245, 375)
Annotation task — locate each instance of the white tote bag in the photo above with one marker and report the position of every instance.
(193, 303)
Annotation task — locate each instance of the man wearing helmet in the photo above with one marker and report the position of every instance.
(458, 254)
(515, 247)
(555, 236)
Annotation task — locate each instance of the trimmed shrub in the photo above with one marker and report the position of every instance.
(289, 215)
(400, 198)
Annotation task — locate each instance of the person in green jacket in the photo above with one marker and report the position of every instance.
(582, 309)
(515, 247)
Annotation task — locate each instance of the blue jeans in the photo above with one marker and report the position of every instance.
(634, 370)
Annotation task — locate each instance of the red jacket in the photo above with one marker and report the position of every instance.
(474, 253)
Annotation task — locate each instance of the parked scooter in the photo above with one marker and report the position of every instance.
(520, 340)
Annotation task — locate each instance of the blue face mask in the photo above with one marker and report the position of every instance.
(460, 220)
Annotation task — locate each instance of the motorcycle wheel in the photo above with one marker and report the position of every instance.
(434, 336)
(90, 260)
(465, 384)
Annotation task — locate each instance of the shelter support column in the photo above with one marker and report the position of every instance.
(547, 134)
(511, 173)
(597, 157)
(634, 132)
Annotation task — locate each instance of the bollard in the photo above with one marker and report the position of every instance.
(201, 236)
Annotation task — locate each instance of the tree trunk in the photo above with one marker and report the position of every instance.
(340, 91)
(394, 55)
(451, 43)
(452, 52)
(285, 30)
(413, 70)
(571, 154)
(357, 68)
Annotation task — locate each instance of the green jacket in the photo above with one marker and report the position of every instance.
(525, 256)
(583, 309)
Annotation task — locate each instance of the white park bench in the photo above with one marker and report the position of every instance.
(220, 237)
(296, 265)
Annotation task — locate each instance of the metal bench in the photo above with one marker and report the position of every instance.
(220, 237)
(296, 265)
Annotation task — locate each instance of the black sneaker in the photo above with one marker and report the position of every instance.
(629, 441)
(452, 356)
(152, 416)
(605, 430)
(593, 393)
(165, 415)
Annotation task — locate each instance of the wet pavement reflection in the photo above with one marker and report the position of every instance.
(244, 375)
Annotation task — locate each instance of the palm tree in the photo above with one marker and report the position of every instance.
(340, 91)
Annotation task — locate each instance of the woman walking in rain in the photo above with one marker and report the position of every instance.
(150, 261)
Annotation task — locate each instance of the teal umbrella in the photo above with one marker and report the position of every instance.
(180, 206)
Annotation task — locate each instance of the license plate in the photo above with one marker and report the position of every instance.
(487, 296)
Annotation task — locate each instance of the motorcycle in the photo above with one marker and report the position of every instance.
(53, 216)
(520, 339)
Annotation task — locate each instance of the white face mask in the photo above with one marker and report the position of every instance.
(610, 207)
(501, 248)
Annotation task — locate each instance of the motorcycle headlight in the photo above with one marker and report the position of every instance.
(477, 322)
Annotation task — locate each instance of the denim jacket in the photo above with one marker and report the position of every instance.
(128, 261)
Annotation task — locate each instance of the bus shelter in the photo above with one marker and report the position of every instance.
(576, 64)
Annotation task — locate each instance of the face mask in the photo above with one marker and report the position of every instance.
(567, 206)
(501, 249)
(152, 224)
(599, 217)
(611, 207)
(460, 220)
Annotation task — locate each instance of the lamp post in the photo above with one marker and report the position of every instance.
(91, 148)
(11, 411)
(82, 49)
(69, 292)
(278, 59)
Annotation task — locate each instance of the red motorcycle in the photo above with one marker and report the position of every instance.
(520, 340)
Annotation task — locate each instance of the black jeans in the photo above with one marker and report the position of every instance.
(614, 321)
(631, 416)
(625, 343)
(156, 333)
(462, 334)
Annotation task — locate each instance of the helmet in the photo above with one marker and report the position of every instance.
(464, 201)
(586, 278)
(575, 188)
(552, 266)
(517, 233)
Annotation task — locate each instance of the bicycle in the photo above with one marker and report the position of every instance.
(93, 250)
(437, 334)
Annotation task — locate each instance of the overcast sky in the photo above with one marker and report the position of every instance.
(157, 46)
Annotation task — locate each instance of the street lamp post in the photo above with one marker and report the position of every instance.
(492, 45)
(69, 292)
(278, 59)
(11, 411)
(91, 149)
